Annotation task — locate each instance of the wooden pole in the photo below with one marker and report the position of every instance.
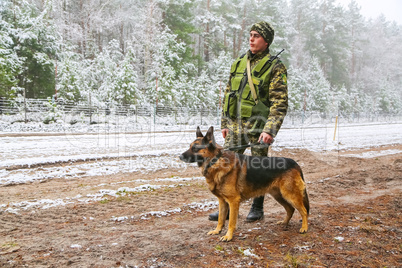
(55, 82)
(336, 123)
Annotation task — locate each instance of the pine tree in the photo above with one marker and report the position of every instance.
(33, 41)
(178, 17)
(318, 91)
(10, 63)
(126, 87)
(297, 90)
(356, 29)
(70, 69)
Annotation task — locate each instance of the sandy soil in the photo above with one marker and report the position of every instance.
(355, 221)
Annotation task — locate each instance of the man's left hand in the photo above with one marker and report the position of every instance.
(266, 138)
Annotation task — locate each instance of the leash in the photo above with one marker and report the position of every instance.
(239, 147)
(217, 157)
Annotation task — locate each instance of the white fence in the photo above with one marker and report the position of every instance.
(45, 111)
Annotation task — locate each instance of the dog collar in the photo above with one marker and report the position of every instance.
(212, 162)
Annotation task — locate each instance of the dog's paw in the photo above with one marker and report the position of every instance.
(283, 223)
(226, 238)
(303, 230)
(214, 232)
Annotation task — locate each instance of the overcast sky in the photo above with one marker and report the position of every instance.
(392, 9)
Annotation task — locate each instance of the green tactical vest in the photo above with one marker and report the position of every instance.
(239, 101)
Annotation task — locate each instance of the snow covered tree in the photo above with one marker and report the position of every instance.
(345, 101)
(69, 75)
(10, 63)
(304, 31)
(318, 91)
(32, 37)
(388, 99)
(178, 17)
(141, 51)
(355, 36)
(126, 89)
(334, 56)
(184, 91)
(105, 67)
(219, 69)
(297, 89)
(202, 88)
(166, 55)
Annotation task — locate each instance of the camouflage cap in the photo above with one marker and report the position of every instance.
(265, 30)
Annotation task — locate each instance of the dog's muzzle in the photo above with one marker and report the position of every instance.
(191, 158)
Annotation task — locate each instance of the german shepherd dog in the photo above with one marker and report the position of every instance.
(234, 178)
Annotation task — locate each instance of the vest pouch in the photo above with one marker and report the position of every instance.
(230, 106)
(259, 115)
(231, 98)
(246, 107)
(235, 83)
(246, 94)
(247, 100)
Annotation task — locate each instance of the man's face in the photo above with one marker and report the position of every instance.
(257, 43)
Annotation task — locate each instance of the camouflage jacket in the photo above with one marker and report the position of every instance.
(278, 95)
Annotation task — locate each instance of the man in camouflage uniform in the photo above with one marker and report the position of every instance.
(272, 92)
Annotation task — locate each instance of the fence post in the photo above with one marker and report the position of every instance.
(25, 106)
(336, 124)
(217, 116)
(155, 114)
(136, 113)
(200, 114)
(90, 108)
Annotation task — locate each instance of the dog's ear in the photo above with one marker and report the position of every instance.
(210, 134)
(198, 133)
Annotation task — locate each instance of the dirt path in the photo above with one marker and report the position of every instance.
(159, 219)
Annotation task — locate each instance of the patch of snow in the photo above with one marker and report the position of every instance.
(248, 252)
(207, 205)
(194, 206)
(339, 238)
(49, 203)
(119, 219)
(159, 214)
(373, 154)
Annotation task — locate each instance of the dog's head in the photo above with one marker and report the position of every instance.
(200, 149)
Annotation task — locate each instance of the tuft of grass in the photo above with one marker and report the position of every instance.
(9, 247)
(104, 201)
(293, 261)
(123, 199)
(240, 251)
(218, 248)
(9, 244)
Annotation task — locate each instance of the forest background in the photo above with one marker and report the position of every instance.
(178, 53)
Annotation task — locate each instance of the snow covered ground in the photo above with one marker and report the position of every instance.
(30, 150)
(27, 157)
(150, 151)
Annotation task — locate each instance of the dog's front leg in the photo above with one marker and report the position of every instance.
(223, 212)
(234, 213)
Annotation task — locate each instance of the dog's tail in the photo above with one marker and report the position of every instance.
(305, 196)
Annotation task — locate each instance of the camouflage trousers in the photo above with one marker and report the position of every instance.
(238, 135)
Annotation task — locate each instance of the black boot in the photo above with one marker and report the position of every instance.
(257, 210)
(214, 216)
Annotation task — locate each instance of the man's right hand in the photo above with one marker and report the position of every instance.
(225, 132)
